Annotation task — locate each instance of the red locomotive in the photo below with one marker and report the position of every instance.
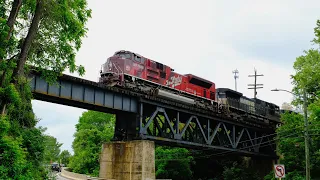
(126, 66)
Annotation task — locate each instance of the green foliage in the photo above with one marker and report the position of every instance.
(21, 112)
(52, 149)
(291, 141)
(317, 33)
(33, 141)
(291, 138)
(173, 163)
(239, 172)
(10, 94)
(21, 144)
(291, 144)
(4, 125)
(13, 162)
(3, 33)
(20, 152)
(307, 75)
(294, 175)
(5, 45)
(93, 129)
(59, 37)
(24, 148)
(65, 157)
(307, 67)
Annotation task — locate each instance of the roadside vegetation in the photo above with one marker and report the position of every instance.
(33, 33)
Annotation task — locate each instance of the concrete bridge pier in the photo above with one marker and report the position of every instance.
(261, 165)
(125, 127)
(131, 160)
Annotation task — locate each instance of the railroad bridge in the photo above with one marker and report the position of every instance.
(142, 117)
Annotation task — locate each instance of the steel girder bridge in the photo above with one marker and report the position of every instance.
(170, 123)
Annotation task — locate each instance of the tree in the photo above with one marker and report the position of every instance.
(290, 134)
(291, 145)
(21, 156)
(54, 33)
(16, 5)
(52, 149)
(173, 163)
(54, 36)
(94, 129)
(239, 172)
(307, 75)
(306, 79)
(51, 41)
(307, 67)
(33, 34)
(65, 157)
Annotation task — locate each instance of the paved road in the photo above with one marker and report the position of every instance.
(59, 177)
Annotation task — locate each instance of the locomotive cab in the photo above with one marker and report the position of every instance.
(115, 63)
(121, 64)
(229, 97)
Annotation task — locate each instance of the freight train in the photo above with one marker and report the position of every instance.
(131, 70)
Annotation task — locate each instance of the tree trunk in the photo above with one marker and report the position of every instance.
(3, 103)
(26, 46)
(28, 41)
(3, 111)
(16, 5)
(13, 15)
(3, 77)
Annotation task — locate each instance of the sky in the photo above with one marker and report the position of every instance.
(207, 38)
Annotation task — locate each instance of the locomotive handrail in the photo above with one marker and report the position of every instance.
(116, 68)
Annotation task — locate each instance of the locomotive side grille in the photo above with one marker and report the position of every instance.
(152, 75)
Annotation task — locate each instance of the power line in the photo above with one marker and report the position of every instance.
(222, 153)
(235, 78)
(257, 138)
(255, 85)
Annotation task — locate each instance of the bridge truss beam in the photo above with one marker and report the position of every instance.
(168, 125)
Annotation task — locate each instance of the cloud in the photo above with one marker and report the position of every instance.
(207, 38)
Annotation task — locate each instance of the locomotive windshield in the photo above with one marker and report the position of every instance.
(124, 55)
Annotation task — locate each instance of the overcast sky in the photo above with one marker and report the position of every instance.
(206, 38)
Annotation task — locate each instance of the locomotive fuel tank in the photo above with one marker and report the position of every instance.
(171, 96)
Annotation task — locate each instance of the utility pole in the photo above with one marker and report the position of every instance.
(255, 85)
(235, 78)
(306, 135)
(306, 129)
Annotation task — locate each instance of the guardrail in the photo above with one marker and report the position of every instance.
(76, 176)
(71, 175)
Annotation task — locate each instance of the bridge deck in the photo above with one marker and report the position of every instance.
(82, 94)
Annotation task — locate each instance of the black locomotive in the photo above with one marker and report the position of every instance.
(235, 101)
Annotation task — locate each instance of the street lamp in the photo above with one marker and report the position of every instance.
(283, 90)
(306, 135)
